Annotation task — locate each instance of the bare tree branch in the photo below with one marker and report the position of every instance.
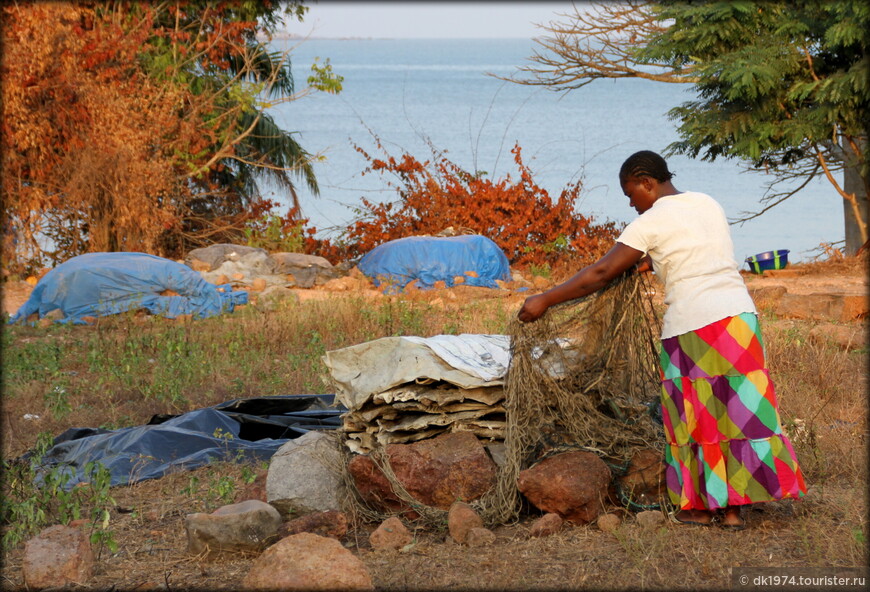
(777, 198)
(596, 41)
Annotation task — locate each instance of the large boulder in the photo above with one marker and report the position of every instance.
(58, 557)
(570, 484)
(436, 472)
(306, 561)
(304, 475)
(246, 526)
(247, 269)
(307, 270)
(212, 257)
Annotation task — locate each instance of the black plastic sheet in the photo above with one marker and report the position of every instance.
(239, 430)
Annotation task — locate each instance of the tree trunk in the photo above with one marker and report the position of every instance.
(855, 184)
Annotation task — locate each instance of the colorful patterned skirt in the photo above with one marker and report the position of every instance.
(725, 444)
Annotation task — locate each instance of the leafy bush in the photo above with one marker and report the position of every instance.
(27, 507)
(275, 234)
(521, 217)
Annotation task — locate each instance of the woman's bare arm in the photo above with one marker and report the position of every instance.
(586, 281)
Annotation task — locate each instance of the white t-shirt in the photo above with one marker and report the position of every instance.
(687, 237)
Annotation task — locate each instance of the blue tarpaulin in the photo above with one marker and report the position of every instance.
(429, 259)
(241, 429)
(99, 284)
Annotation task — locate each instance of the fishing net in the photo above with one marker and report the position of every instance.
(582, 377)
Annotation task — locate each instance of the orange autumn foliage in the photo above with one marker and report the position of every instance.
(88, 139)
(111, 140)
(521, 217)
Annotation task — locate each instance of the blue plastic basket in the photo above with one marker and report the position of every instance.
(761, 262)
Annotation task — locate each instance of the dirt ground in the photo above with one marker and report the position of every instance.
(148, 521)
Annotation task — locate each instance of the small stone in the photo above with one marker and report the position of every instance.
(471, 274)
(222, 279)
(461, 518)
(238, 276)
(479, 537)
(391, 534)
(608, 522)
(546, 525)
(650, 518)
(440, 285)
(258, 285)
(246, 526)
(459, 280)
(57, 557)
(306, 561)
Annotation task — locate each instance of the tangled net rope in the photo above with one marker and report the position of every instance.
(584, 376)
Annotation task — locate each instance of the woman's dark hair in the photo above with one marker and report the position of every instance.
(645, 163)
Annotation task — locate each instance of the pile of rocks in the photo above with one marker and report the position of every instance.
(293, 528)
(250, 267)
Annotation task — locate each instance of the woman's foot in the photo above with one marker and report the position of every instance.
(700, 517)
(731, 518)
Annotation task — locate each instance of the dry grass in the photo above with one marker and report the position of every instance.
(832, 262)
(109, 381)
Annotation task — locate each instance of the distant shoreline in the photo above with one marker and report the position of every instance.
(284, 36)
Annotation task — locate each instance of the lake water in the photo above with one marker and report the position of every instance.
(408, 90)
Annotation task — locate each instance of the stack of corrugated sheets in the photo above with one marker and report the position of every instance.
(404, 389)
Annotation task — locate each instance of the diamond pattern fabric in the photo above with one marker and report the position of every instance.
(725, 444)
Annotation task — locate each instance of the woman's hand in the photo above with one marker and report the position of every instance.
(533, 308)
(644, 265)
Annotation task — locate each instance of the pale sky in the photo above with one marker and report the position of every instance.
(336, 18)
